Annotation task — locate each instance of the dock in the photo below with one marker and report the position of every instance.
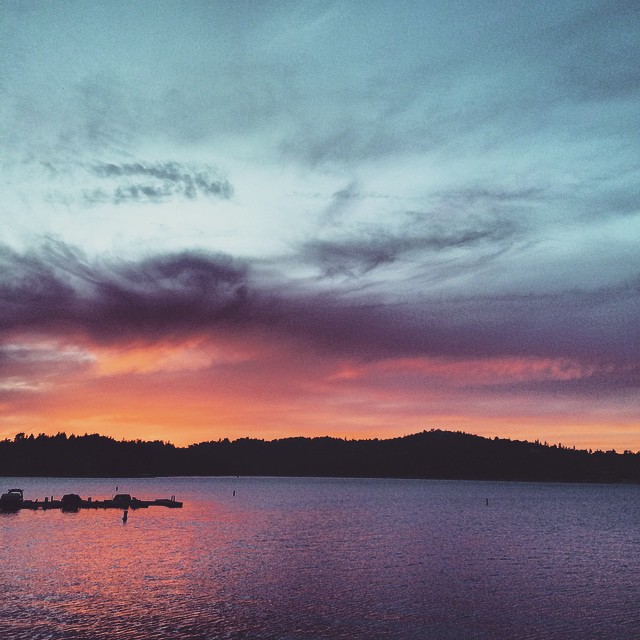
(14, 500)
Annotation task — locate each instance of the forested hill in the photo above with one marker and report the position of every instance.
(430, 454)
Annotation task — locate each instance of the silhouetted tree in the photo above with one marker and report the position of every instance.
(430, 454)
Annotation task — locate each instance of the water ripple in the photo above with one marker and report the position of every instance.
(326, 559)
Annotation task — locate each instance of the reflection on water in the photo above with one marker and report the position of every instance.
(324, 558)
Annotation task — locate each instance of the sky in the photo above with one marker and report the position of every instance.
(356, 219)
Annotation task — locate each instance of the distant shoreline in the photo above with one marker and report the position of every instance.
(434, 454)
(326, 477)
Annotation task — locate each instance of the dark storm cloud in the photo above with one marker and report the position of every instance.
(56, 290)
(154, 182)
(577, 327)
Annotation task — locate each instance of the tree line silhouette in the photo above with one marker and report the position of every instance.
(430, 454)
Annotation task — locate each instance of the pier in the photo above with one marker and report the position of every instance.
(14, 500)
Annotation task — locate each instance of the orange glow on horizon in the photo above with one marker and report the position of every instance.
(199, 389)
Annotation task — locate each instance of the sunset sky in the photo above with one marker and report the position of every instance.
(357, 219)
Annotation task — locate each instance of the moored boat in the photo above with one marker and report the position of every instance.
(12, 500)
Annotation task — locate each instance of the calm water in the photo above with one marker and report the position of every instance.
(324, 558)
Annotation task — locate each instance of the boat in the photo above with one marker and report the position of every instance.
(123, 500)
(12, 500)
(71, 502)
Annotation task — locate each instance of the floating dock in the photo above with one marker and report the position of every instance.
(14, 500)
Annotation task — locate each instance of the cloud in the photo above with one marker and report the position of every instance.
(572, 325)
(49, 358)
(57, 291)
(488, 196)
(205, 331)
(340, 202)
(156, 182)
(619, 380)
(597, 58)
(478, 219)
(358, 256)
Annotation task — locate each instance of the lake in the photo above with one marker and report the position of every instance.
(294, 558)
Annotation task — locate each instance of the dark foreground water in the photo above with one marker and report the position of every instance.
(324, 558)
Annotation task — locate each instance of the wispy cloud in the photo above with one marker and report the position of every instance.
(156, 182)
(469, 219)
(355, 257)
